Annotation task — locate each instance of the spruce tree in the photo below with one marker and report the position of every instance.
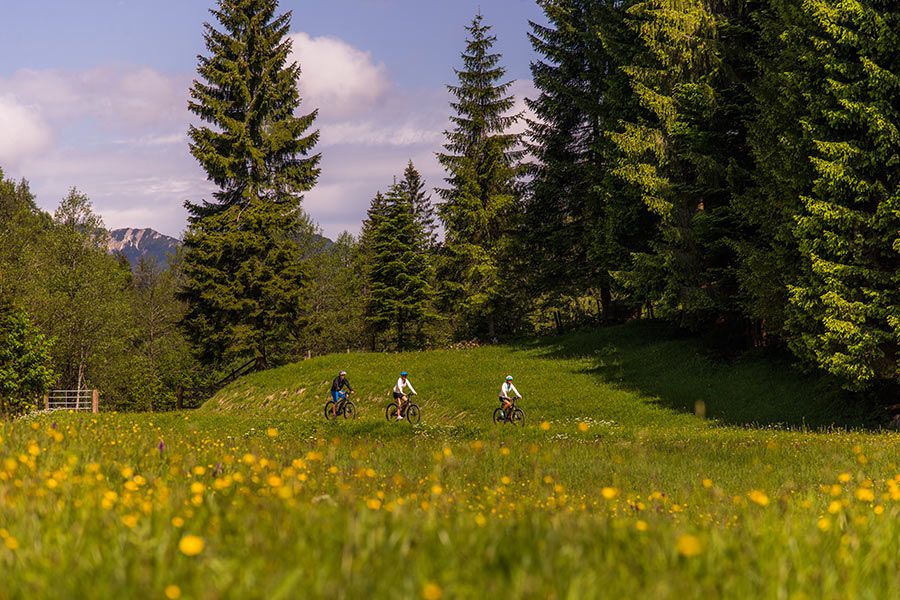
(768, 252)
(398, 290)
(845, 306)
(243, 275)
(687, 153)
(480, 201)
(413, 186)
(581, 223)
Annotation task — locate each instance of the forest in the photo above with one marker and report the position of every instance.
(728, 167)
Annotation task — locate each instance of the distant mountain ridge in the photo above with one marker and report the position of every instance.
(135, 244)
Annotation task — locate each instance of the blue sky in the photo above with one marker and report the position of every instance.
(93, 93)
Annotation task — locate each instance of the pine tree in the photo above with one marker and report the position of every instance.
(398, 290)
(480, 203)
(243, 273)
(845, 307)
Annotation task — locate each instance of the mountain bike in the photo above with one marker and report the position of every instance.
(410, 411)
(344, 407)
(512, 415)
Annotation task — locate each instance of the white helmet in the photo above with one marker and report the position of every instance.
(509, 377)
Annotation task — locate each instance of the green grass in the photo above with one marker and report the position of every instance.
(613, 489)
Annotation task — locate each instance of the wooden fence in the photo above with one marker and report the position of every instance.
(73, 400)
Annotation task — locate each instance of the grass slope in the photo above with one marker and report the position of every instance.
(613, 489)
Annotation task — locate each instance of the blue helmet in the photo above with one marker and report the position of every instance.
(403, 373)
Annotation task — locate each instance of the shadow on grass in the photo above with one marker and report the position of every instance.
(674, 372)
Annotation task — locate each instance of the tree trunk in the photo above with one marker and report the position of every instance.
(558, 320)
(606, 303)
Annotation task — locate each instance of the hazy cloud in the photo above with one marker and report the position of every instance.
(23, 132)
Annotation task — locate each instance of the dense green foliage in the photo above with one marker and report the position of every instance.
(244, 280)
(760, 139)
(481, 198)
(25, 366)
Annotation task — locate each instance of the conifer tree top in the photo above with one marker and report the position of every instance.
(247, 91)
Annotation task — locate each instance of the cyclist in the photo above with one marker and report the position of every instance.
(337, 385)
(505, 389)
(399, 396)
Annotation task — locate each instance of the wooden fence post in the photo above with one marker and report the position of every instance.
(46, 401)
(179, 397)
(95, 401)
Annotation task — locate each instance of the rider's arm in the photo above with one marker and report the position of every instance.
(411, 388)
(518, 395)
(347, 383)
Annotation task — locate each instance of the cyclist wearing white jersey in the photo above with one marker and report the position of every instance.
(505, 391)
(399, 394)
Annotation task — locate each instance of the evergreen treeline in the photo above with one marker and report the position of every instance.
(726, 166)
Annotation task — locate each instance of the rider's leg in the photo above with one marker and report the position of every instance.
(401, 402)
(337, 398)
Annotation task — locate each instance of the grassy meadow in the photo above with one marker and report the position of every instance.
(613, 489)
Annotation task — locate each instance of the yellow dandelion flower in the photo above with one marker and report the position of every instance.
(437, 490)
(504, 451)
(173, 592)
(835, 507)
(373, 503)
(199, 470)
(505, 480)
(272, 432)
(480, 520)
(688, 545)
(609, 493)
(707, 483)
(11, 542)
(865, 495)
(191, 545)
(432, 591)
(824, 524)
(582, 427)
(127, 472)
(545, 426)
(879, 509)
(197, 488)
(177, 522)
(130, 521)
(844, 477)
(759, 497)
(641, 526)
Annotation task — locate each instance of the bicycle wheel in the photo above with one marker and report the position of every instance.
(499, 417)
(390, 413)
(413, 414)
(518, 418)
(329, 407)
(349, 410)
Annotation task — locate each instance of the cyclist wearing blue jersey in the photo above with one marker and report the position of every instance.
(339, 383)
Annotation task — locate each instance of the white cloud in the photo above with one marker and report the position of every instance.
(335, 77)
(23, 132)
